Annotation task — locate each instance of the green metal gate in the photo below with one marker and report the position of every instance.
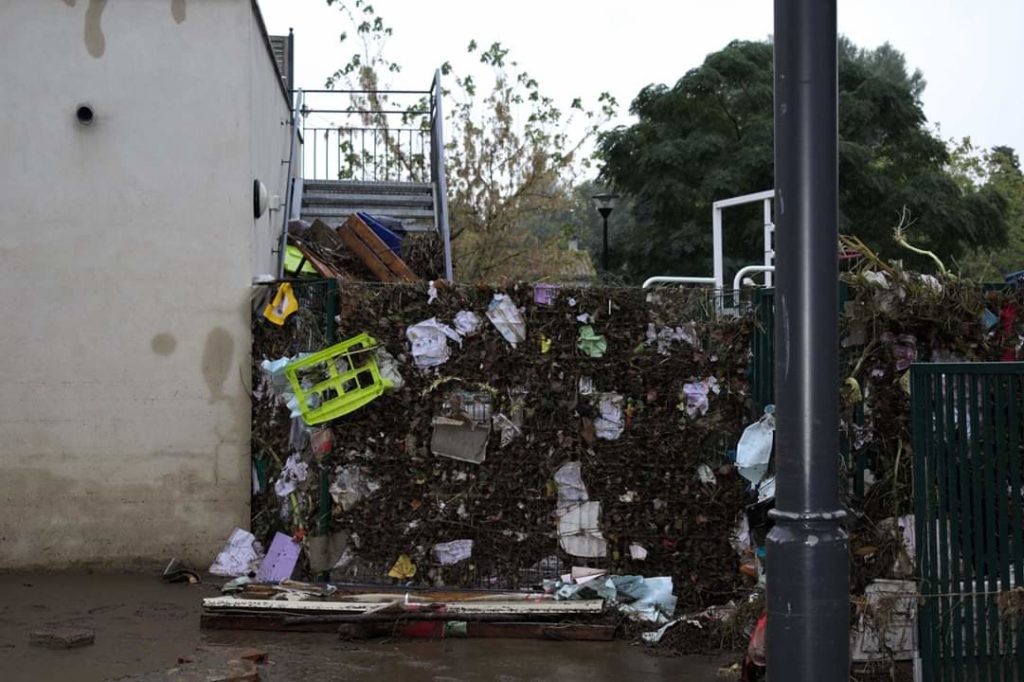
(968, 488)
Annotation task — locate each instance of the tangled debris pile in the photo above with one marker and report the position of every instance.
(894, 318)
(524, 435)
(457, 474)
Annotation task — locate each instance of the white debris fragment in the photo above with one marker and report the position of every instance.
(431, 292)
(579, 527)
(696, 396)
(706, 474)
(294, 472)
(754, 450)
(579, 530)
(569, 480)
(240, 555)
(429, 341)
(467, 322)
(667, 335)
(350, 485)
(449, 553)
(506, 427)
(387, 365)
(610, 424)
(507, 319)
(637, 552)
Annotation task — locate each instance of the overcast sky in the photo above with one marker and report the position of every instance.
(969, 50)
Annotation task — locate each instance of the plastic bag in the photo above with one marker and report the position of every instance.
(754, 451)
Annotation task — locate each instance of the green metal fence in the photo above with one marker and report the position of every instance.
(968, 488)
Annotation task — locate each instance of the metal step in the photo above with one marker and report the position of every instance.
(413, 220)
(360, 187)
(310, 198)
(394, 211)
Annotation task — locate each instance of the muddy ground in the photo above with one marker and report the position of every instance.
(142, 625)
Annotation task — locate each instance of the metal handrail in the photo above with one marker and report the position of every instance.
(344, 157)
(437, 172)
(293, 132)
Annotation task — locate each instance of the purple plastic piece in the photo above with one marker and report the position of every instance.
(545, 294)
(280, 560)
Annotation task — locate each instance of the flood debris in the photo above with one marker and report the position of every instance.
(279, 563)
(462, 429)
(754, 450)
(177, 571)
(449, 553)
(61, 637)
(240, 555)
(507, 319)
(429, 342)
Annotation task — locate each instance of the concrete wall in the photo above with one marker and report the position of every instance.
(268, 145)
(127, 250)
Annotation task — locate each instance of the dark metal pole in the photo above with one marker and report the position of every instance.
(604, 251)
(808, 553)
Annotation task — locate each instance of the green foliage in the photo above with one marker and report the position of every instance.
(996, 170)
(710, 137)
(513, 154)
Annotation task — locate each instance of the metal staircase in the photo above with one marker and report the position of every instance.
(335, 200)
(382, 159)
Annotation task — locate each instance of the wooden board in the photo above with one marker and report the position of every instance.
(371, 249)
(588, 606)
(318, 265)
(264, 621)
(434, 629)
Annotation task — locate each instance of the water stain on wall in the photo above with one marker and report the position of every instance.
(163, 343)
(95, 43)
(217, 356)
(178, 10)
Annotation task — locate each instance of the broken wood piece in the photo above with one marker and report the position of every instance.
(576, 632)
(61, 638)
(371, 249)
(322, 268)
(269, 622)
(575, 606)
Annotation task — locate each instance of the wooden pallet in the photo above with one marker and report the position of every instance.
(371, 249)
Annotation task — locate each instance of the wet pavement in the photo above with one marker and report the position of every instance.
(143, 625)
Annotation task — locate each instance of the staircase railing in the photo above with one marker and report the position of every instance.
(377, 136)
(367, 135)
(437, 171)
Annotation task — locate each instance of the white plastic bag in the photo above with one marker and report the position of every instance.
(754, 451)
(505, 316)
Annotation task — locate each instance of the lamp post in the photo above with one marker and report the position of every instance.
(605, 203)
(808, 552)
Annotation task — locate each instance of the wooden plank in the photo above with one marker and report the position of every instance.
(318, 265)
(576, 632)
(395, 264)
(590, 606)
(371, 249)
(274, 622)
(365, 253)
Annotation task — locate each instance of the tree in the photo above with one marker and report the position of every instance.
(710, 137)
(993, 170)
(512, 153)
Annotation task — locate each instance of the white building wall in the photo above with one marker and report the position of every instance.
(268, 146)
(126, 255)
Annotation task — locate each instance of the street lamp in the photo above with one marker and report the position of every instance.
(605, 203)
